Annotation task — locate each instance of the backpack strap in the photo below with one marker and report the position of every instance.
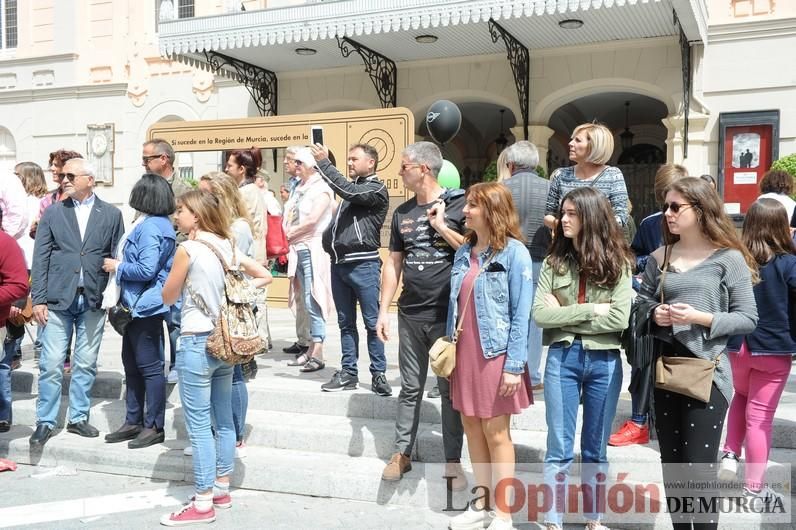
(217, 253)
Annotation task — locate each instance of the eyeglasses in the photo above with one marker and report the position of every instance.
(676, 207)
(71, 176)
(146, 159)
(404, 167)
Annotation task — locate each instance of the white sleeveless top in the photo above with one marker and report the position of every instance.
(206, 276)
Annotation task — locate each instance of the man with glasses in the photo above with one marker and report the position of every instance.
(157, 157)
(425, 233)
(73, 238)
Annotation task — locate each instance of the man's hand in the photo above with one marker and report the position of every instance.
(436, 216)
(320, 152)
(110, 265)
(40, 314)
(383, 327)
(14, 311)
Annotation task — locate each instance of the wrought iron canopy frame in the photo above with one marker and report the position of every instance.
(262, 84)
(520, 61)
(687, 72)
(382, 70)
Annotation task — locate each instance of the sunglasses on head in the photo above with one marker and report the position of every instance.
(676, 207)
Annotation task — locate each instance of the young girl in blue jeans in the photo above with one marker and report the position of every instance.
(583, 304)
(205, 381)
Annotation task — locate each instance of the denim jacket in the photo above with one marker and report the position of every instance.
(502, 301)
(565, 323)
(146, 261)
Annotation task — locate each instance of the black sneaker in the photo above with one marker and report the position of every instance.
(295, 349)
(434, 393)
(380, 385)
(341, 380)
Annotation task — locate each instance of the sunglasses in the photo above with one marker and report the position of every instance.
(404, 167)
(676, 207)
(146, 159)
(71, 176)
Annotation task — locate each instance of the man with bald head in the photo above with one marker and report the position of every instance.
(73, 238)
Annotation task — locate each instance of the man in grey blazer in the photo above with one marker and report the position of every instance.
(73, 238)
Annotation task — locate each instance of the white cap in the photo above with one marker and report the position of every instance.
(304, 155)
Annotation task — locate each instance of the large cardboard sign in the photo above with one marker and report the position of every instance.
(388, 130)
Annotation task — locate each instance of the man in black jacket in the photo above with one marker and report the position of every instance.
(353, 240)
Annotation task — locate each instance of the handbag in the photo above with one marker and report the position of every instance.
(688, 376)
(120, 316)
(275, 238)
(442, 354)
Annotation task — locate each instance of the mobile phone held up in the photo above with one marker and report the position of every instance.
(317, 134)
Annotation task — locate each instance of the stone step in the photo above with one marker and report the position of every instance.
(290, 471)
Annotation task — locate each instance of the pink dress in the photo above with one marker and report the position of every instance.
(475, 381)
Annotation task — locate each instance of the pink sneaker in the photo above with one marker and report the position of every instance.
(188, 514)
(222, 502)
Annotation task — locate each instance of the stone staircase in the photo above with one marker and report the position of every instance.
(308, 442)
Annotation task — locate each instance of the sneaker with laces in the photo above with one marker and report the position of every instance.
(472, 519)
(500, 524)
(395, 469)
(380, 385)
(728, 469)
(188, 451)
(172, 377)
(764, 501)
(630, 433)
(188, 515)
(341, 380)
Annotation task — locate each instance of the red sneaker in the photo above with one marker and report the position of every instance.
(187, 515)
(629, 434)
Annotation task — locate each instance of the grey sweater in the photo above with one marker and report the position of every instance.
(720, 285)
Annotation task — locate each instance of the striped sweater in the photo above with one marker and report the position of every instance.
(721, 285)
(610, 182)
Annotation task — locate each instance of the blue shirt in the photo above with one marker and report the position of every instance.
(503, 295)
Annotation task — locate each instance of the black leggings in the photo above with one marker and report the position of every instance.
(689, 431)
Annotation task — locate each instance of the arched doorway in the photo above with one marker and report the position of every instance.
(639, 139)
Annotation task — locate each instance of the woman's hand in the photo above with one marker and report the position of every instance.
(662, 316)
(510, 384)
(110, 265)
(685, 314)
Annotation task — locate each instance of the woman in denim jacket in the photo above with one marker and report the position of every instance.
(491, 285)
(147, 252)
(583, 304)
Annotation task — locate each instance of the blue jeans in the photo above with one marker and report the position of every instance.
(240, 402)
(5, 379)
(352, 283)
(304, 275)
(570, 371)
(143, 372)
(88, 324)
(535, 334)
(206, 394)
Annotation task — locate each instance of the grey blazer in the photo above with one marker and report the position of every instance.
(59, 254)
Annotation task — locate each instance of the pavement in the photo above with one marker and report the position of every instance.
(314, 458)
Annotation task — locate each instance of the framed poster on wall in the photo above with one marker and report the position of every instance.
(748, 144)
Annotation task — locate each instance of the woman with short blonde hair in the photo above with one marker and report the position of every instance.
(590, 149)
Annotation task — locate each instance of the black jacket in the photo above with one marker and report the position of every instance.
(355, 232)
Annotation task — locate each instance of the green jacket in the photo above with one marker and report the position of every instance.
(563, 323)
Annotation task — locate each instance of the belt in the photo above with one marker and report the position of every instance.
(194, 333)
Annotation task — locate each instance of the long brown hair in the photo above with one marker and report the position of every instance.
(210, 214)
(225, 188)
(32, 177)
(499, 213)
(766, 231)
(716, 227)
(600, 250)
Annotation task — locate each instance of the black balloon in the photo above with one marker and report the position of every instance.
(443, 120)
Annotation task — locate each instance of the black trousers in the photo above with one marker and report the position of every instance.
(689, 432)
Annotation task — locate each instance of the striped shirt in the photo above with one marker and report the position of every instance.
(721, 285)
(529, 192)
(611, 182)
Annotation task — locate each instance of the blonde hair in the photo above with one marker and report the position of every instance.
(502, 166)
(211, 215)
(600, 140)
(226, 189)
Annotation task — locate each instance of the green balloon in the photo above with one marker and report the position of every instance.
(449, 176)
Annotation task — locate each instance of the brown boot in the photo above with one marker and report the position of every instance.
(459, 481)
(394, 471)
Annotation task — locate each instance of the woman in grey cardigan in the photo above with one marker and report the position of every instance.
(707, 297)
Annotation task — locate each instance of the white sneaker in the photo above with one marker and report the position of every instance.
(240, 450)
(471, 519)
(172, 377)
(499, 524)
(728, 470)
(188, 451)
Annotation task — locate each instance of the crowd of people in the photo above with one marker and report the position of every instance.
(504, 267)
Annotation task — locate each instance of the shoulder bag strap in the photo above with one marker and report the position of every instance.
(666, 254)
(467, 300)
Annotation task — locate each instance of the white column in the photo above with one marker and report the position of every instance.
(698, 161)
